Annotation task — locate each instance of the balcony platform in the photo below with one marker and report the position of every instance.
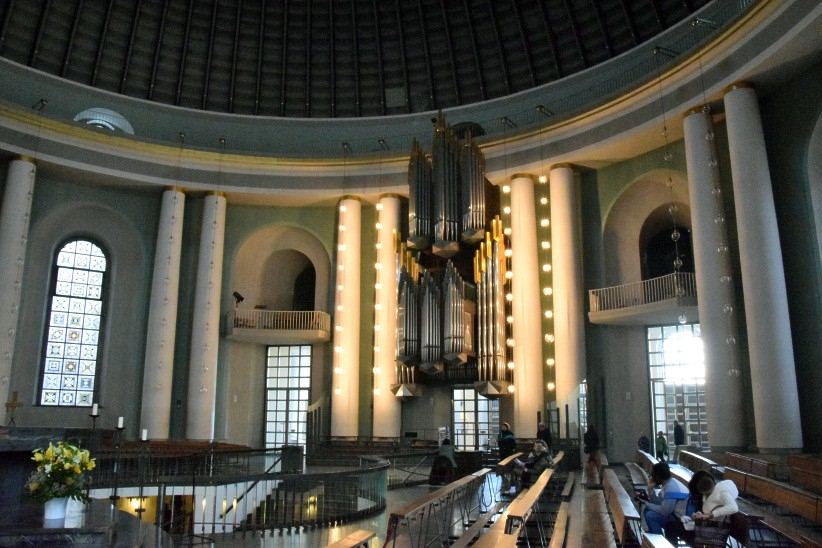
(657, 301)
(278, 326)
(662, 312)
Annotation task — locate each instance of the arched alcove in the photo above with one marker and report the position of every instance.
(658, 248)
(639, 213)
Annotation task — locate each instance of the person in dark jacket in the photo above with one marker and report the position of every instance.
(545, 435)
(506, 442)
(591, 441)
(679, 439)
(644, 443)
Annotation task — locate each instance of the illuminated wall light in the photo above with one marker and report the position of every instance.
(338, 349)
(342, 228)
(342, 208)
(376, 349)
(511, 388)
(339, 308)
(338, 370)
(550, 362)
(507, 231)
(506, 189)
(378, 266)
(544, 222)
(337, 391)
(549, 314)
(509, 319)
(508, 252)
(511, 365)
(543, 200)
(546, 244)
(506, 210)
(378, 245)
(376, 370)
(379, 206)
(338, 328)
(378, 226)
(378, 306)
(510, 342)
(341, 247)
(549, 337)
(340, 287)
(377, 285)
(509, 274)
(376, 391)
(547, 291)
(509, 297)
(376, 327)
(543, 179)
(341, 268)
(551, 386)
(546, 267)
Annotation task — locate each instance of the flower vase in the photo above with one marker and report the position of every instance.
(55, 509)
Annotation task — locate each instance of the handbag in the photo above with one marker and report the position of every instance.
(711, 532)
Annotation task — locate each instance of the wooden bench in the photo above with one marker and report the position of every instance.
(521, 507)
(559, 535)
(694, 461)
(753, 465)
(682, 474)
(469, 534)
(568, 489)
(624, 514)
(358, 538)
(639, 477)
(651, 540)
(806, 471)
(645, 460)
(557, 459)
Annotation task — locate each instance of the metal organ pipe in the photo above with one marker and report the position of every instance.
(445, 183)
(472, 190)
(419, 199)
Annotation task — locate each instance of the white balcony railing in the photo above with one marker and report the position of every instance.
(670, 286)
(288, 320)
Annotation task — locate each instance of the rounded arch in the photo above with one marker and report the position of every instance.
(269, 261)
(639, 208)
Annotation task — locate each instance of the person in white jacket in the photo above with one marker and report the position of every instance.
(718, 497)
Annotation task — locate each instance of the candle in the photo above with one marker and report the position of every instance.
(144, 436)
(119, 422)
(94, 410)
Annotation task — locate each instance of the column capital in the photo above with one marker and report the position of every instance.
(699, 109)
(566, 165)
(24, 158)
(390, 195)
(735, 86)
(523, 176)
(218, 193)
(175, 188)
(350, 197)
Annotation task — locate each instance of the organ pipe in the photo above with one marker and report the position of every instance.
(430, 325)
(419, 199)
(472, 190)
(453, 316)
(445, 184)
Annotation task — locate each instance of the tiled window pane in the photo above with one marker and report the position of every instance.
(288, 367)
(73, 330)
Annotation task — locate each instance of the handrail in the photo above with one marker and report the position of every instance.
(253, 485)
(676, 285)
(306, 320)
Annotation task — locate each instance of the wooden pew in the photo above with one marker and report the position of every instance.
(792, 498)
(505, 469)
(645, 460)
(695, 461)
(682, 474)
(623, 512)
(651, 540)
(356, 539)
(469, 534)
(559, 535)
(568, 489)
(521, 507)
(806, 471)
(753, 465)
(639, 477)
(557, 459)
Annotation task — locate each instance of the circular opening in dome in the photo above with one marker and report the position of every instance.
(104, 118)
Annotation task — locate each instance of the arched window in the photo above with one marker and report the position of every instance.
(73, 325)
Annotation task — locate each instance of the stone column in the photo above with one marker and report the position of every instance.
(569, 309)
(345, 381)
(723, 391)
(162, 317)
(387, 408)
(205, 323)
(527, 327)
(14, 231)
(770, 348)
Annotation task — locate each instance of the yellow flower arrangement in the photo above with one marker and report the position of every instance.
(60, 472)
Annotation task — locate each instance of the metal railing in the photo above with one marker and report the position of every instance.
(671, 286)
(311, 320)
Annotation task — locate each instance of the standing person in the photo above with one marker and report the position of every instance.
(591, 441)
(679, 439)
(661, 446)
(506, 442)
(545, 435)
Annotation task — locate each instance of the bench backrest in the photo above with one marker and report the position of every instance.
(806, 471)
(800, 502)
(415, 506)
(645, 460)
(621, 505)
(695, 461)
(651, 540)
(638, 475)
(558, 458)
(357, 538)
(750, 464)
(507, 463)
(560, 532)
(520, 507)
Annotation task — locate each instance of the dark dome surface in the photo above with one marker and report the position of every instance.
(335, 58)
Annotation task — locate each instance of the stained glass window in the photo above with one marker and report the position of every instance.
(73, 329)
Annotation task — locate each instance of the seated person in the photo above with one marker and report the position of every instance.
(538, 460)
(644, 443)
(665, 506)
(718, 497)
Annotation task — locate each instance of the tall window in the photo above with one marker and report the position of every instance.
(73, 330)
(476, 420)
(288, 379)
(677, 372)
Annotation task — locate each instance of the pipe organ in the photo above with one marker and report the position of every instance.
(443, 321)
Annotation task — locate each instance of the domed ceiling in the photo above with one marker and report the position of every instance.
(330, 58)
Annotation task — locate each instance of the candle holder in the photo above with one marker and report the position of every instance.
(118, 432)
